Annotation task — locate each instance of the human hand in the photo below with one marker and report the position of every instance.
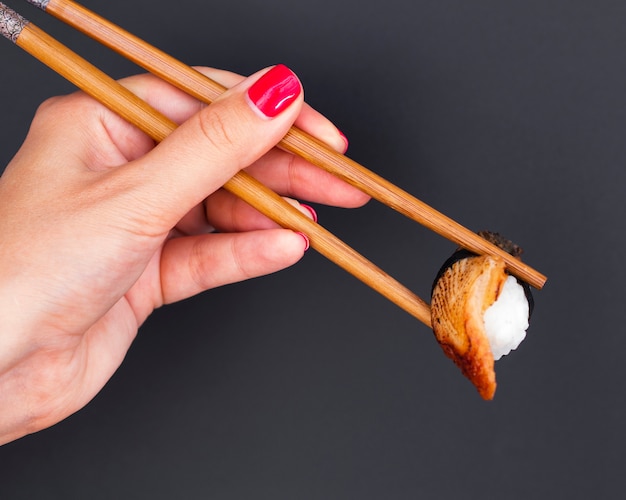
(100, 227)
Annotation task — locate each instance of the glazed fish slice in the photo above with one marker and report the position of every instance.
(460, 298)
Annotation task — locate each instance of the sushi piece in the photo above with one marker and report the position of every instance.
(479, 312)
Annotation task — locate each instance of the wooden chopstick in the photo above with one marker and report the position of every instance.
(130, 107)
(296, 141)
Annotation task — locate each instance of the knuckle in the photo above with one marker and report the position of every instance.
(200, 267)
(215, 129)
(49, 103)
(240, 264)
(75, 108)
(48, 110)
(204, 262)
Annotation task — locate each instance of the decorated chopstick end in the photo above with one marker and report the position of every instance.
(11, 23)
(41, 4)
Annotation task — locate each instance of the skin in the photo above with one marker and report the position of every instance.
(100, 227)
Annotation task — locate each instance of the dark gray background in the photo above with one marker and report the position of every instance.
(504, 115)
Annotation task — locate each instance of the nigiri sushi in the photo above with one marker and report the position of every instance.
(479, 312)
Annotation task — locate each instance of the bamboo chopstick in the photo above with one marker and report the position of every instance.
(296, 141)
(116, 97)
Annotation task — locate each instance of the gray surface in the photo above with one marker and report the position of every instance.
(509, 116)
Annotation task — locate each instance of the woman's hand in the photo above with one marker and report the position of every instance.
(99, 227)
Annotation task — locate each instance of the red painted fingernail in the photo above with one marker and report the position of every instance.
(345, 139)
(311, 211)
(275, 91)
(306, 240)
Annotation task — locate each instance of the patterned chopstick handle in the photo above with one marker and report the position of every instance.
(11, 23)
(42, 4)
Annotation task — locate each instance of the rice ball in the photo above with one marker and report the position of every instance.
(506, 320)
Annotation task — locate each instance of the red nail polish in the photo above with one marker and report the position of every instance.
(311, 211)
(275, 91)
(345, 139)
(306, 240)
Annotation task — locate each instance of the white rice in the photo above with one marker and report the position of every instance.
(506, 320)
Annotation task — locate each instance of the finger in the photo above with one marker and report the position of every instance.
(309, 120)
(227, 213)
(293, 176)
(192, 264)
(210, 147)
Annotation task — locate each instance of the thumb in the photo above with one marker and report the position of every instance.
(213, 145)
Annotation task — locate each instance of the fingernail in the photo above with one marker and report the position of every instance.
(345, 139)
(311, 211)
(306, 240)
(275, 91)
